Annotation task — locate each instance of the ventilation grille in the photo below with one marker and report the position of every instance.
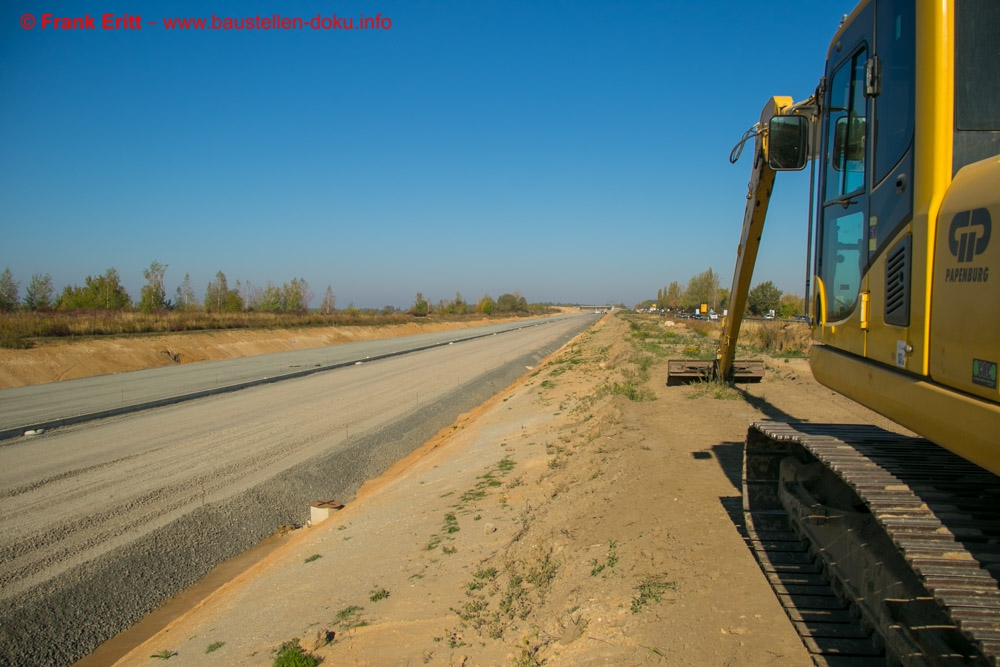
(897, 284)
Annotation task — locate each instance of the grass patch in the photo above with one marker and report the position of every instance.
(543, 570)
(721, 391)
(528, 657)
(650, 590)
(643, 362)
(378, 594)
(559, 455)
(632, 392)
(164, 655)
(290, 654)
(472, 611)
(612, 559)
(777, 338)
(791, 353)
(527, 584)
(214, 646)
(312, 558)
(349, 617)
(702, 351)
(472, 495)
(657, 349)
(486, 481)
(481, 577)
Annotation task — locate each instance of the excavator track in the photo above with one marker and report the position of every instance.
(883, 548)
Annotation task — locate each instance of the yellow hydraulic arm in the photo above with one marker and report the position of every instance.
(761, 184)
(725, 367)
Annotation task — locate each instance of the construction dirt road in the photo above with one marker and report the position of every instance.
(589, 514)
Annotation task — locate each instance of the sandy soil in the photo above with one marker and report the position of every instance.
(560, 523)
(60, 359)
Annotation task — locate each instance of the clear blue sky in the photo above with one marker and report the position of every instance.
(575, 151)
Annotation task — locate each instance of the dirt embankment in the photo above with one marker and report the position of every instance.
(587, 515)
(55, 360)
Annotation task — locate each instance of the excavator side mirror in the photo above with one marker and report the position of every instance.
(788, 142)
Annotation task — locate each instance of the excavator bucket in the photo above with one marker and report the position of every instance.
(748, 370)
(681, 371)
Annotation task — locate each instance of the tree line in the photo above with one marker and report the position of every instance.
(106, 292)
(704, 288)
(505, 304)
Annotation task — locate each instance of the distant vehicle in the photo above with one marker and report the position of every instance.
(802, 318)
(696, 316)
(681, 316)
(713, 316)
(769, 315)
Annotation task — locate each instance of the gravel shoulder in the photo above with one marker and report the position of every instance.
(103, 522)
(561, 521)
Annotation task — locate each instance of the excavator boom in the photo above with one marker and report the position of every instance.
(758, 198)
(726, 367)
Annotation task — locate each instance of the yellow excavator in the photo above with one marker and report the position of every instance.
(885, 548)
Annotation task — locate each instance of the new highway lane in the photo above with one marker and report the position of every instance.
(61, 403)
(100, 521)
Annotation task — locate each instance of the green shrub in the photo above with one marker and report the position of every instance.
(292, 655)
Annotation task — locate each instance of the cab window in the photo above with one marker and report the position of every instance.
(842, 243)
(846, 129)
(977, 82)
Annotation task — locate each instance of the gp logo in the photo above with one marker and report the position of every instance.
(969, 234)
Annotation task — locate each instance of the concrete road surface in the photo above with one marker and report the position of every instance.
(73, 401)
(101, 521)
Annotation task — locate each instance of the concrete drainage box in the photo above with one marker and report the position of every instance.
(320, 510)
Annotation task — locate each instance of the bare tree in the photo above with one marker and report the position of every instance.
(329, 302)
(252, 295)
(9, 290)
(153, 295)
(186, 299)
(219, 298)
